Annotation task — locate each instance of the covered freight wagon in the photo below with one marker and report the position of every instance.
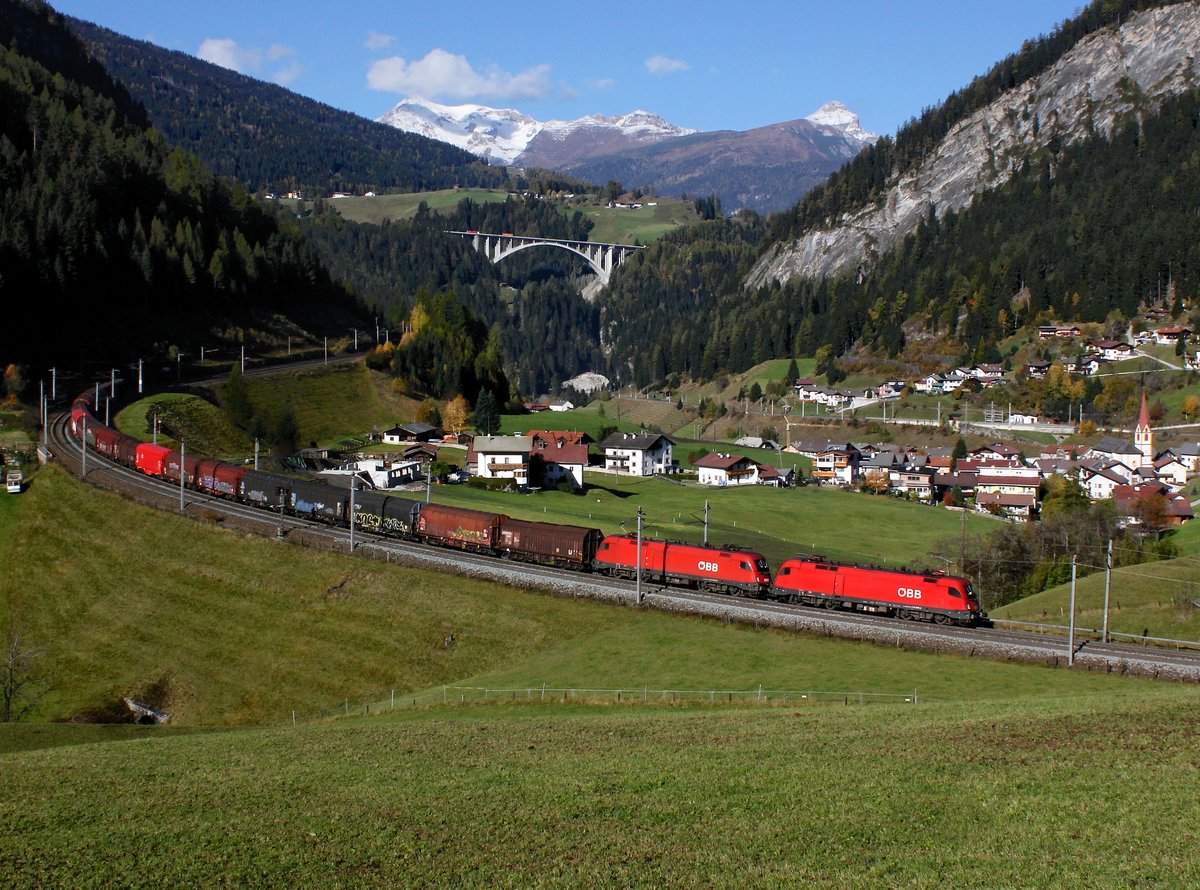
(727, 570)
(930, 597)
(265, 490)
(149, 458)
(459, 527)
(171, 467)
(384, 514)
(545, 542)
(316, 500)
(219, 478)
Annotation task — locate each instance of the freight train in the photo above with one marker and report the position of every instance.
(930, 596)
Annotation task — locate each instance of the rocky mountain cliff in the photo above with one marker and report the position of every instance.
(1107, 76)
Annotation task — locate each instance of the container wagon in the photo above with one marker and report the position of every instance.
(149, 458)
(384, 514)
(317, 500)
(265, 490)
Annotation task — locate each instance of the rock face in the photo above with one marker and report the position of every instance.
(1103, 78)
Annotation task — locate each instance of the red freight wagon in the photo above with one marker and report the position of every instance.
(458, 527)
(740, 572)
(218, 477)
(546, 542)
(79, 410)
(106, 439)
(170, 468)
(127, 450)
(149, 458)
(927, 597)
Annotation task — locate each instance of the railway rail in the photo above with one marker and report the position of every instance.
(986, 642)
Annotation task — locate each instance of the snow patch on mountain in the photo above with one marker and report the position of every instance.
(836, 116)
(501, 135)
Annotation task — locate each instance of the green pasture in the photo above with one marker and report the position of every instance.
(777, 522)
(627, 226)
(375, 210)
(1073, 791)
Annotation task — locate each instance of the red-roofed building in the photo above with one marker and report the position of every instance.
(727, 469)
(563, 454)
(1141, 504)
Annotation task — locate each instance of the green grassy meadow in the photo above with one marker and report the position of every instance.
(778, 522)
(1158, 599)
(375, 210)
(643, 225)
(1090, 791)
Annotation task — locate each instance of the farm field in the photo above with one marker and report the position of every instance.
(643, 225)
(1020, 793)
(778, 522)
(375, 210)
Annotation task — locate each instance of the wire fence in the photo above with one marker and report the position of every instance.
(452, 696)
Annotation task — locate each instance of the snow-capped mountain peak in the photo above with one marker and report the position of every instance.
(502, 135)
(497, 134)
(838, 117)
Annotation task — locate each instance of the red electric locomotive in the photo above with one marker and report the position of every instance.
(943, 599)
(724, 570)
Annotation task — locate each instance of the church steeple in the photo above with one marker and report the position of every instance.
(1143, 436)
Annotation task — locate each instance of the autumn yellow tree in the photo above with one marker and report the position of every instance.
(454, 418)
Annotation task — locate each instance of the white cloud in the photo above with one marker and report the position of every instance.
(376, 41)
(605, 83)
(251, 60)
(284, 76)
(226, 53)
(443, 75)
(663, 65)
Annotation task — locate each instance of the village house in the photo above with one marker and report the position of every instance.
(1061, 332)
(563, 455)
(411, 432)
(1111, 350)
(639, 455)
(1037, 370)
(1100, 478)
(1169, 336)
(1131, 502)
(501, 457)
(836, 466)
(727, 469)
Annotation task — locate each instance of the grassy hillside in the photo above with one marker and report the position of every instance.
(229, 629)
(404, 206)
(1022, 794)
(778, 522)
(1161, 599)
(646, 224)
(199, 423)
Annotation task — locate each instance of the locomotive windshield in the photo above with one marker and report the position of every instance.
(970, 592)
(761, 565)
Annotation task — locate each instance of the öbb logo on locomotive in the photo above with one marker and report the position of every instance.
(807, 581)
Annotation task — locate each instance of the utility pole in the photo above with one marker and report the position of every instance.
(352, 482)
(1071, 622)
(155, 429)
(356, 339)
(107, 402)
(96, 407)
(54, 384)
(326, 350)
(429, 482)
(706, 523)
(243, 359)
(639, 556)
(112, 386)
(83, 448)
(256, 453)
(140, 382)
(1107, 588)
(182, 471)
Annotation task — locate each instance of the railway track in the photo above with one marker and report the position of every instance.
(995, 643)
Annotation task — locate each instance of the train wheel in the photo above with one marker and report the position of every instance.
(938, 618)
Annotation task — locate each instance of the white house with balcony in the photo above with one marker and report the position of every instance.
(501, 457)
(638, 455)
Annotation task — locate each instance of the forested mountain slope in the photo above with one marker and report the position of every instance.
(1074, 229)
(268, 138)
(110, 241)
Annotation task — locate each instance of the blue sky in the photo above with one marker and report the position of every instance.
(701, 64)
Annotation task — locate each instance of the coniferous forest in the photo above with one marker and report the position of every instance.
(111, 241)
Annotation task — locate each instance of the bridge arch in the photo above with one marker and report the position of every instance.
(602, 258)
